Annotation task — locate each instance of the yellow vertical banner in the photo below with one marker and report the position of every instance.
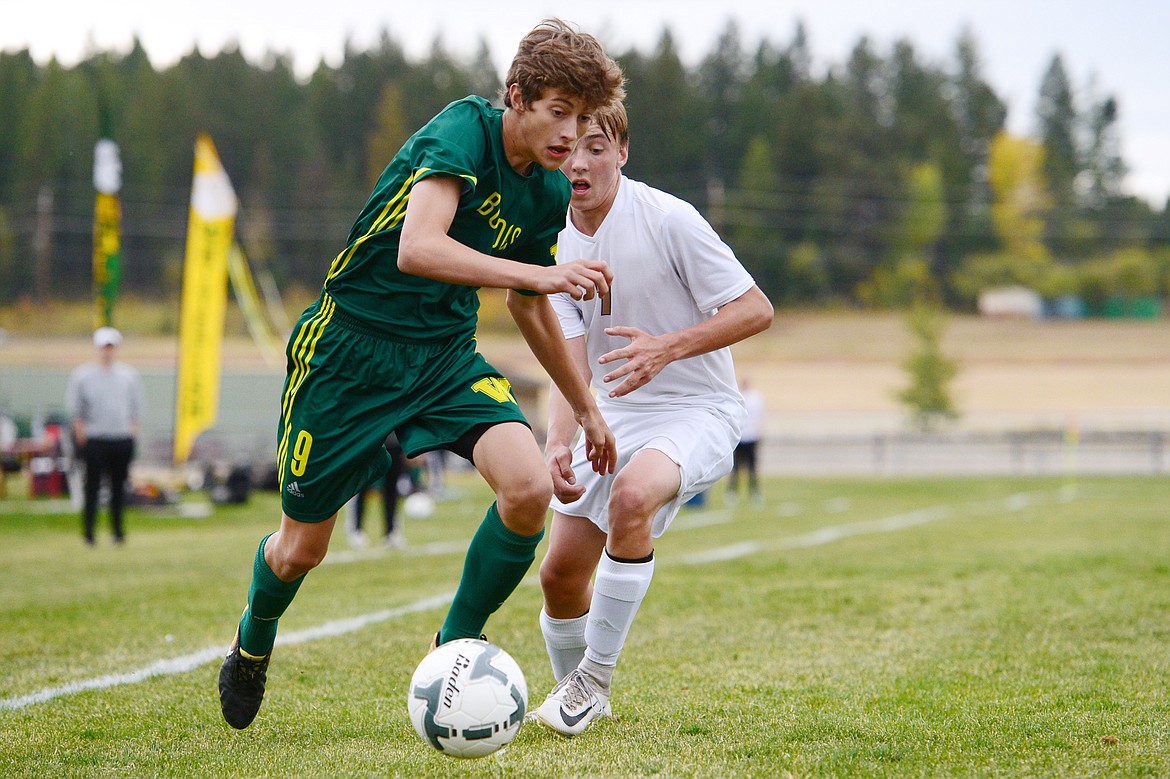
(244, 287)
(204, 300)
(107, 230)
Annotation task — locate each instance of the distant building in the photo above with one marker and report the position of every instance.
(1011, 302)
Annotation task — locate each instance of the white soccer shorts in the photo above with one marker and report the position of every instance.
(698, 440)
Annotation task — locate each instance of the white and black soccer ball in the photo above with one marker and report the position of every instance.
(467, 698)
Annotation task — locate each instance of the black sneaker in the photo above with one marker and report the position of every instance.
(241, 685)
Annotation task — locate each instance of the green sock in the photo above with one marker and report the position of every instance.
(268, 597)
(496, 562)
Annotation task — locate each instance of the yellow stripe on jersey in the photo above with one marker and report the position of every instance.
(304, 346)
(394, 204)
(390, 218)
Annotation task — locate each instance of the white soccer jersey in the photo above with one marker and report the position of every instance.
(670, 271)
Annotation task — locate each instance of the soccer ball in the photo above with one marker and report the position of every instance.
(418, 505)
(467, 698)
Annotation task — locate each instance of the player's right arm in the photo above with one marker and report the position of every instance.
(425, 249)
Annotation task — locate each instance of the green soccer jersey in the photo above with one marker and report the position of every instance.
(501, 213)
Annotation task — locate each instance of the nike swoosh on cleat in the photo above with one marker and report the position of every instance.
(572, 721)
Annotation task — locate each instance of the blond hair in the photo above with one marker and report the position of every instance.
(556, 56)
(612, 120)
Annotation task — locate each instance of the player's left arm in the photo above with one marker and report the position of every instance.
(646, 355)
(562, 429)
(426, 249)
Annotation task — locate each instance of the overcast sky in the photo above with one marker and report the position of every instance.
(1117, 49)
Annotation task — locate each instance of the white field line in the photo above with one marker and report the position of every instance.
(698, 519)
(827, 535)
(189, 662)
(333, 628)
(376, 552)
(178, 665)
(721, 553)
(820, 536)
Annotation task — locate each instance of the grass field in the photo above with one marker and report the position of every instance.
(869, 628)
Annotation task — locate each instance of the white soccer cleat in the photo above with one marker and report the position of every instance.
(572, 705)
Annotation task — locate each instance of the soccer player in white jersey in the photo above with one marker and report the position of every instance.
(656, 349)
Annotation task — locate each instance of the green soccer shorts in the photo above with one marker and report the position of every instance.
(347, 387)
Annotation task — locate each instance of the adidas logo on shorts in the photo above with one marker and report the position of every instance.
(294, 490)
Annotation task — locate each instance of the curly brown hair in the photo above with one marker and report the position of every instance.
(557, 56)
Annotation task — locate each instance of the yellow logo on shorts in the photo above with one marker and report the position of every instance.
(498, 389)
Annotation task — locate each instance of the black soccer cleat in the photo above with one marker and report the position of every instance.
(241, 685)
(435, 641)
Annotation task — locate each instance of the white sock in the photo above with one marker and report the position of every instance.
(618, 591)
(565, 641)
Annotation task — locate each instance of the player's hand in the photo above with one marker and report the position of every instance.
(560, 466)
(600, 444)
(645, 356)
(582, 279)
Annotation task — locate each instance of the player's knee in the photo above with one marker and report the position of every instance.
(631, 502)
(552, 578)
(526, 501)
(563, 585)
(297, 560)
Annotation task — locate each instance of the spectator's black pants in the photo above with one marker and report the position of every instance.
(107, 458)
(744, 461)
(389, 492)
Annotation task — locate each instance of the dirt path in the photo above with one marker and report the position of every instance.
(819, 371)
(843, 370)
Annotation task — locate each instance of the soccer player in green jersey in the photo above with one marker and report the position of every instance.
(473, 199)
